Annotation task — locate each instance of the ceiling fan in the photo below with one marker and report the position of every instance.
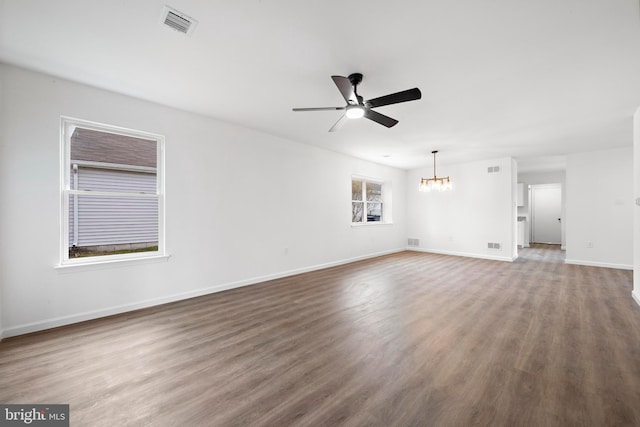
(357, 107)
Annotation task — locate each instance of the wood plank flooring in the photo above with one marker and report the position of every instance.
(409, 339)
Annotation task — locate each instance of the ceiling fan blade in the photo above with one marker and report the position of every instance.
(319, 109)
(394, 98)
(380, 118)
(339, 123)
(346, 89)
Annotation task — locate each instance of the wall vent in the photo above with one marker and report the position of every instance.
(178, 21)
(493, 169)
(493, 245)
(413, 242)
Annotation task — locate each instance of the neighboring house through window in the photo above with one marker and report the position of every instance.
(367, 200)
(112, 192)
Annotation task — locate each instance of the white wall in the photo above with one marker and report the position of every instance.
(537, 178)
(636, 208)
(3, 241)
(241, 206)
(599, 208)
(514, 208)
(480, 209)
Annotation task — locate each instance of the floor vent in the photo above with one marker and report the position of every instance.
(178, 21)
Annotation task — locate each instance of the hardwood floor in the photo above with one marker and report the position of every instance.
(409, 339)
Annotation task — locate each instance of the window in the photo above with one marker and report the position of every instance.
(112, 193)
(366, 201)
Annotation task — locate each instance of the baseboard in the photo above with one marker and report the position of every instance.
(599, 264)
(90, 315)
(636, 296)
(462, 254)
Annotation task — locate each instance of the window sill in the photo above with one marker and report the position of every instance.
(367, 224)
(109, 263)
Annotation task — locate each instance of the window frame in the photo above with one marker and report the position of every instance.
(66, 192)
(386, 213)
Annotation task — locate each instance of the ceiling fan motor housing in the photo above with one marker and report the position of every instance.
(355, 79)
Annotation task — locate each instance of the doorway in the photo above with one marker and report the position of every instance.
(546, 213)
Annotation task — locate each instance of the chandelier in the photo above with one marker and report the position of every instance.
(435, 183)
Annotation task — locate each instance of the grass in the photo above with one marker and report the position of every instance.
(82, 254)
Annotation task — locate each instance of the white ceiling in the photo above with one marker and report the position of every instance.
(526, 79)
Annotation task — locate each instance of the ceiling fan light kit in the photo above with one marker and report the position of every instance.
(358, 107)
(354, 112)
(435, 183)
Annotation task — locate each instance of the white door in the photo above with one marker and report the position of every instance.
(546, 212)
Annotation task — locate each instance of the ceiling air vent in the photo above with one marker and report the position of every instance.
(178, 21)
